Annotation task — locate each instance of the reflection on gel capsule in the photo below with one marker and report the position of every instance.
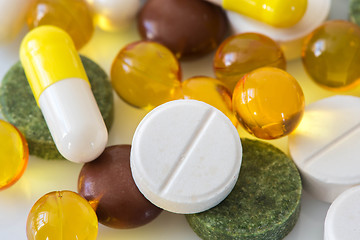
(62, 90)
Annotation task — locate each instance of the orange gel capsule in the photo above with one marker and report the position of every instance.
(62, 215)
(245, 52)
(14, 154)
(210, 91)
(73, 16)
(146, 74)
(268, 102)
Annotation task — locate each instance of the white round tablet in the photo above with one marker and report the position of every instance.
(325, 146)
(343, 217)
(290, 39)
(185, 156)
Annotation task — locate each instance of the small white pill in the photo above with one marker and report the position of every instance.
(290, 39)
(185, 156)
(343, 217)
(325, 146)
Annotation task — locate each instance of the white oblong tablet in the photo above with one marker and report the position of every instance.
(185, 156)
(290, 39)
(343, 217)
(325, 146)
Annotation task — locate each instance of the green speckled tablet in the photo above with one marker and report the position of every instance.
(264, 204)
(355, 11)
(18, 106)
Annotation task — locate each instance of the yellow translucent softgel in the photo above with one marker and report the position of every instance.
(210, 91)
(146, 74)
(331, 55)
(62, 215)
(14, 154)
(268, 102)
(73, 16)
(278, 13)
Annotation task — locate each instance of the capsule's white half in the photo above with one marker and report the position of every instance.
(74, 120)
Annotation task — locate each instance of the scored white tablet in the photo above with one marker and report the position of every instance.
(185, 156)
(325, 147)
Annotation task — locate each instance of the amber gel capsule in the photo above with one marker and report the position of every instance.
(268, 102)
(14, 154)
(331, 55)
(277, 13)
(62, 215)
(146, 74)
(62, 90)
(242, 53)
(73, 16)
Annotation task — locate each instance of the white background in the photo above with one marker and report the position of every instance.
(42, 176)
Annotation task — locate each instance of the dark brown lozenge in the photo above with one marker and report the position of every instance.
(108, 185)
(189, 28)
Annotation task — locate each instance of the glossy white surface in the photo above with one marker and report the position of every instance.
(74, 119)
(12, 18)
(342, 219)
(325, 151)
(44, 176)
(185, 156)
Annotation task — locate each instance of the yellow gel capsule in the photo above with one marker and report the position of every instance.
(331, 55)
(210, 91)
(146, 74)
(73, 16)
(14, 154)
(277, 13)
(62, 215)
(268, 102)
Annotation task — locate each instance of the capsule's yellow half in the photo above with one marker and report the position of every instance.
(277, 13)
(48, 55)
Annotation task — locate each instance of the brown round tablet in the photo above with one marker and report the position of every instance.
(108, 185)
(189, 28)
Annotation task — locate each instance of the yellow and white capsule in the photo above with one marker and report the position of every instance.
(63, 93)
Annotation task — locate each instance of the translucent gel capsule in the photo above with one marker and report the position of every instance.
(268, 102)
(113, 15)
(62, 215)
(210, 91)
(242, 53)
(14, 154)
(331, 55)
(73, 16)
(278, 13)
(146, 74)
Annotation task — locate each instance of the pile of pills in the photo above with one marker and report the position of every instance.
(186, 155)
